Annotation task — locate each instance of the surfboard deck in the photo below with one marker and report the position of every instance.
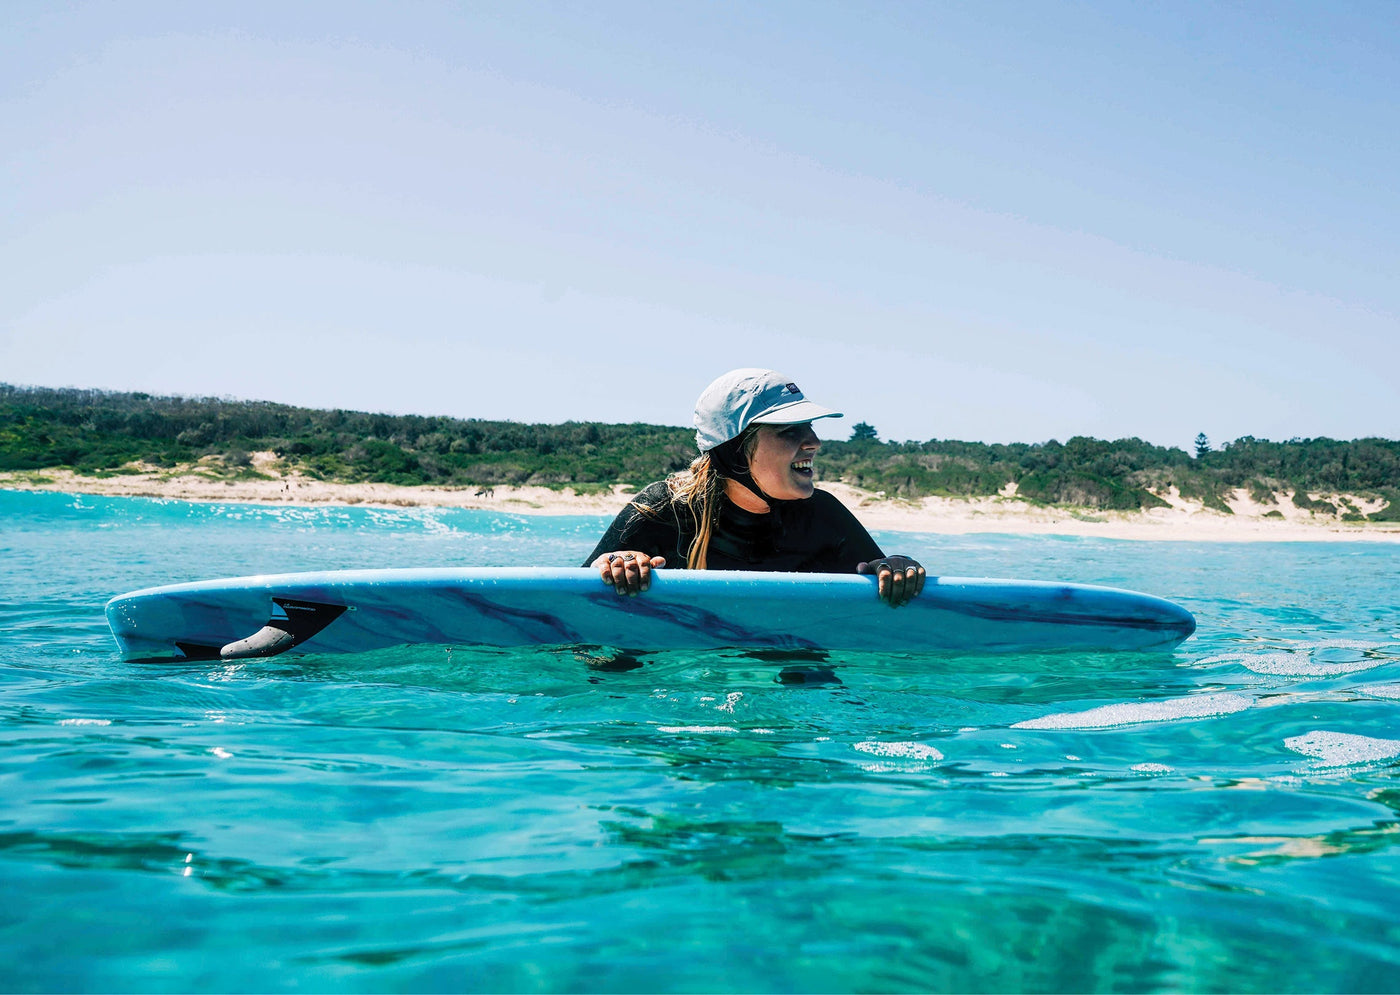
(355, 611)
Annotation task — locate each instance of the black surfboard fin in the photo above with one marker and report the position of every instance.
(292, 622)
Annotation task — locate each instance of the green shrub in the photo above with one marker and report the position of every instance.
(1085, 491)
(1261, 492)
(1206, 490)
(96, 431)
(1390, 511)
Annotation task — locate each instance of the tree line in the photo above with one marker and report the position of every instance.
(103, 432)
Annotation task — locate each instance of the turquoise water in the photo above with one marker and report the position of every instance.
(1223, 817)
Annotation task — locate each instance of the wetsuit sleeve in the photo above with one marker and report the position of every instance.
(655, 534)
(852, 544)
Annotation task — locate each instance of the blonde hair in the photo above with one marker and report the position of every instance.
(699, 488)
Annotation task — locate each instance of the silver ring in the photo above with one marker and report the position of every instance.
(611, 557)
(629, 556)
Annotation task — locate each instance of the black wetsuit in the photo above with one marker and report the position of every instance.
(816, 535)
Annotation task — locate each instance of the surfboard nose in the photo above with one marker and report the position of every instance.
(1186, 622)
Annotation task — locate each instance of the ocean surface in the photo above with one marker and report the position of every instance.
(1224, 817)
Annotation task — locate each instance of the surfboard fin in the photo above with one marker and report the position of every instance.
(292, 622)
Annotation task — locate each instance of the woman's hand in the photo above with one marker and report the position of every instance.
(901, 578)
(628, 571)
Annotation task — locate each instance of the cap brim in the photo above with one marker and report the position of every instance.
(794, 414)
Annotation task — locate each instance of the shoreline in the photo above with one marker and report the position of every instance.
(1003, 514)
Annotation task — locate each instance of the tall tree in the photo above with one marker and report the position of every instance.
(1202, 445)
(862, 432)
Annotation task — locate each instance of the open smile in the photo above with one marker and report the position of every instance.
(803, 467)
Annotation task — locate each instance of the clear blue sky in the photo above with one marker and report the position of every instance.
(1003, 222)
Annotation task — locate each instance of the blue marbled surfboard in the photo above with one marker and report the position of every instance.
(357, 610)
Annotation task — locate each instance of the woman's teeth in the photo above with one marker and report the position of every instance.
(803, 466)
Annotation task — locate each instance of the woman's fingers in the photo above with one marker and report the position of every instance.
(901, 579)
(913, 583)
(891, 583)
(637, 568)
(625, 578)
(632, 573)
(610, 567)
(628, 571)
(914, 576)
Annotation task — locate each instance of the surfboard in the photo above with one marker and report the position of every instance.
(355, 611)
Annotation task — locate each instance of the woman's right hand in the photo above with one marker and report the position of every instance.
(901, 578)
(627, 570)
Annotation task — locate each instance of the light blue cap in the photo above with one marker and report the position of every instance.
(747, 397)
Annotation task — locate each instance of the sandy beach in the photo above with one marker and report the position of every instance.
(1005, 513)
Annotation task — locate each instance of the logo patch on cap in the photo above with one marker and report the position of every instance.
(792, 388)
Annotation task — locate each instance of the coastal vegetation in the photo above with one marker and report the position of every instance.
(102, 433)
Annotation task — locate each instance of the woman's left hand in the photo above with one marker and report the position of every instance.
(901, 578)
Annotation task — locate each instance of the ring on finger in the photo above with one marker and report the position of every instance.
(629, 556)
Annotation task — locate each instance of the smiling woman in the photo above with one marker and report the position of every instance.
(748, 501)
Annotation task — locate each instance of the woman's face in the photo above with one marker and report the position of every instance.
(781, 462)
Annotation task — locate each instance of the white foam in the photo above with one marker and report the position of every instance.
(84, 722)
(1381, 690)
(1151, 768)
(1299, 665)
(702, 729)
(907, 751)
(1336, 749)
(1303, 662)
(1198, 706)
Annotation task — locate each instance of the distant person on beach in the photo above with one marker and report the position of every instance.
(748, 501)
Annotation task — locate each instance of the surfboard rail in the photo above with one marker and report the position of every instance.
(350, 611)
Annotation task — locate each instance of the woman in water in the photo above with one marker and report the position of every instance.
(748, 501)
